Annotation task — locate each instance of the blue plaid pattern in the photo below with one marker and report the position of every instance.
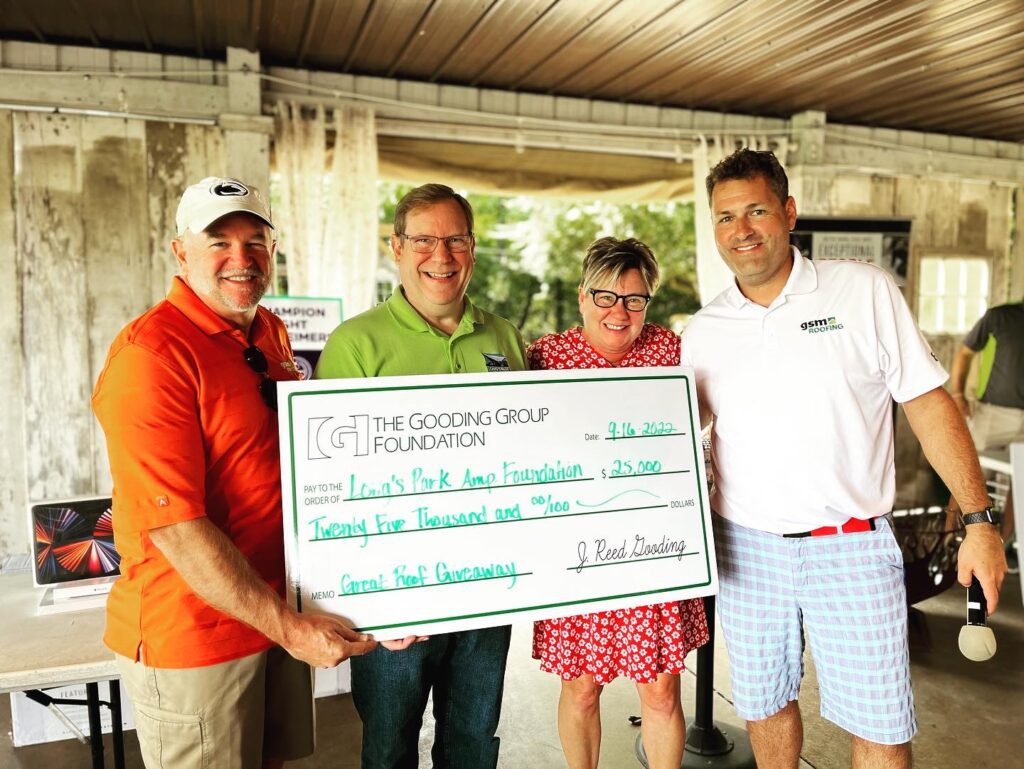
(847, 592)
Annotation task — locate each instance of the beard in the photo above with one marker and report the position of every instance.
(241, 297)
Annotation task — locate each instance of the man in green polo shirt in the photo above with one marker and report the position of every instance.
(429, 326)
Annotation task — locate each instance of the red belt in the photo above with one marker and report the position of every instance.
(852, 526)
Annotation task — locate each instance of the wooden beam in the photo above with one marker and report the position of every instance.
(31, 22)
(565, 44)
(364, 26)
(255, 20)
(454, 55)
(112, 94)
(197, 25)
(607, 51)
(529, 28)
(84, 18)
(403, 50)
(147, 39)
(312, 12)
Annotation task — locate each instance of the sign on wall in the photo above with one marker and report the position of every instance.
(885, 242)
(418, 505)
(309, 320)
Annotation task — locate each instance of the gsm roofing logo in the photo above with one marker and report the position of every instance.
(821, 325)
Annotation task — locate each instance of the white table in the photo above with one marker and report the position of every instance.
(996, 460)
(63, 649)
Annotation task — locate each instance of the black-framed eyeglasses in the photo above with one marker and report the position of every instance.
(426, 244)
(257, 361)
(632, 302)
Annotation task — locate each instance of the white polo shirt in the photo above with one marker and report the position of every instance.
(801, 394)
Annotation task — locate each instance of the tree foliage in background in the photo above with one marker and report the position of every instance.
(530, 253)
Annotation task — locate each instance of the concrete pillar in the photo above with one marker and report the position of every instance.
(1017, 255)
(246, 131)
(809, 182)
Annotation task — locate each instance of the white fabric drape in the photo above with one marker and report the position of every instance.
(713, 276)
(328, 219)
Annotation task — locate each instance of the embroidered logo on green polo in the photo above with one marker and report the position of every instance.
(496, 362)
(821, 325)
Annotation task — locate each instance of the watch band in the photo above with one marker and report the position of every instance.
(983, 516)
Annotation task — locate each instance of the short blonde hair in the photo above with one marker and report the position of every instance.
(608, 258)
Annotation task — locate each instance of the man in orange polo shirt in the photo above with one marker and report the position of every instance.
(214, 660)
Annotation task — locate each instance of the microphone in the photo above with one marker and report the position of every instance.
(977, 641)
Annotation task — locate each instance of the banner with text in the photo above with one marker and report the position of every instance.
(309, 320)
(419, 505)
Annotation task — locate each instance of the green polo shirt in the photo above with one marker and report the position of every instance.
(393, 340)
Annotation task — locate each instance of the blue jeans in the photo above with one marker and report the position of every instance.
(467, 673)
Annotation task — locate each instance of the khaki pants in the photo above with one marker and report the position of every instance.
(995, 427)
(226, 716)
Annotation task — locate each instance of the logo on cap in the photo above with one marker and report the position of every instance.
(226, 189)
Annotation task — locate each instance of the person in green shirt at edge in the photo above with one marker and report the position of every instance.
(429, 326)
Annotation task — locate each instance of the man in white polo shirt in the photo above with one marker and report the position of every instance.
(797, 365)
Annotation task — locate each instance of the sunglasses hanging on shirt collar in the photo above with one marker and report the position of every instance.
(257, 361)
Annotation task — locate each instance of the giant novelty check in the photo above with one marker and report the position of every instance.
(420, 505)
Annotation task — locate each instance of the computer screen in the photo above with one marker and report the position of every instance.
(73, 541)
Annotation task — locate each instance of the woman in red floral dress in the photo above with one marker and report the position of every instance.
(648, 643)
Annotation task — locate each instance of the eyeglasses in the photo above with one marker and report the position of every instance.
(632, 302)
(257, 361)
(425, 244)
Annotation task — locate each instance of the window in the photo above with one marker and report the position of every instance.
(952, 294)
(385, 288)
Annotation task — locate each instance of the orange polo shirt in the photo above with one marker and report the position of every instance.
(188, 435)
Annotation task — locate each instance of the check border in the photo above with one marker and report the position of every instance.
(295, 567)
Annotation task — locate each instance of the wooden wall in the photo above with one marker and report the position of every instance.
(86, 215)
(951, 217)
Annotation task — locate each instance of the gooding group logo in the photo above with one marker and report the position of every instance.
(821, 325)
(328, 434)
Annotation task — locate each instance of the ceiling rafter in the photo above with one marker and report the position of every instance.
(518, 83)
(457, 51)
(312, 12)
(891, 35)
(255, 23)
(83, 17)
(968, 72)
(615, 46)
(364, 28)
(529, 28)
(417, 30)
(36, 30)
(197, 25)
(140, 17)
(749, 54)
(1000, 98)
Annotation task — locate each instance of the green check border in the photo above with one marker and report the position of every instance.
(698, 459)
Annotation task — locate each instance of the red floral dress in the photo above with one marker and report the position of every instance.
(636, 643)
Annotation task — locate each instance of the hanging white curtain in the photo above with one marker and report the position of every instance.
(328, 218)
(713, 276)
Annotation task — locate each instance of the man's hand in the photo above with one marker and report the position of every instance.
(323, 641)
(982, 555)
(404, 643)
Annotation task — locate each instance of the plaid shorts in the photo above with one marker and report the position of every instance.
(847, 592)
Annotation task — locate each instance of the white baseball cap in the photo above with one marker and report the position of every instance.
(207, 201)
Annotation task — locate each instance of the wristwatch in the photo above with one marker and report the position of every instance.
(984, 516)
